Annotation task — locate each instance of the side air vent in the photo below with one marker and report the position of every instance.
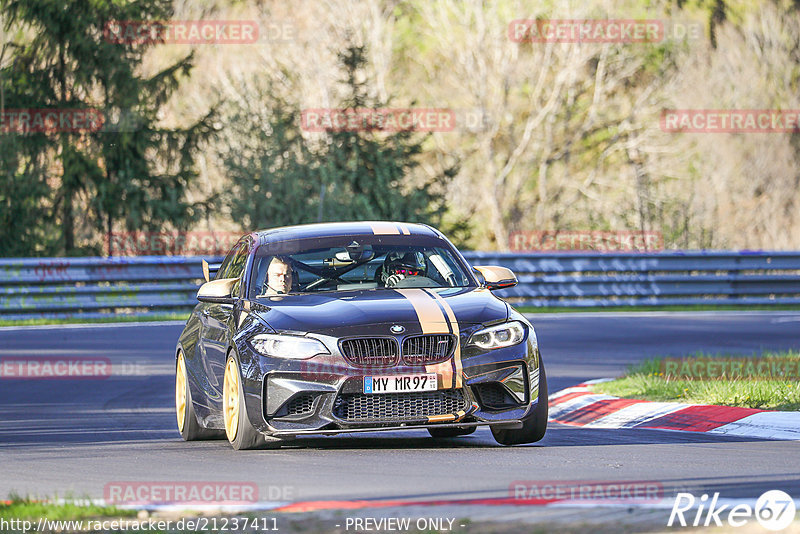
(300, 405)
(494, 396)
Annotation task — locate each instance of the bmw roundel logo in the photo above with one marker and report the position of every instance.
(397, 329)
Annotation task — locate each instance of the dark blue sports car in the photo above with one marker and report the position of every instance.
(356, 327)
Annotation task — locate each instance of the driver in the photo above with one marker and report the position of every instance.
(398, 268)
(279, 277)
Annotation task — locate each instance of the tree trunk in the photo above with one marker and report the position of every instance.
(68, 217)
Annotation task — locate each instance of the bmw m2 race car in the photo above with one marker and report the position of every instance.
(356, 327)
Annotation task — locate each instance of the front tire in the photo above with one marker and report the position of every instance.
(240, 432)
(534, 426)
(188, 426)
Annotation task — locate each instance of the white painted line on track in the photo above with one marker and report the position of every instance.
(598, 381)
(558, 394)
(793, 319)
(91, 325)
(770, 425)
(794, 315)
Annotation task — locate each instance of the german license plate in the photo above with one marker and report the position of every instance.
(400, 383)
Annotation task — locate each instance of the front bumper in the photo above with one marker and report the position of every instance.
(324, 395)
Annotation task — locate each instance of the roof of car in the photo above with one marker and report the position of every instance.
(347, 228)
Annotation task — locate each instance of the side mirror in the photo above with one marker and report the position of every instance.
(497, 277)
(218, 291)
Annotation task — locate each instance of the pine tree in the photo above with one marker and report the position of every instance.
(95, 180)
(275, 180)
(285, 178)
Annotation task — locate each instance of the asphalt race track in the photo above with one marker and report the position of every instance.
(61, 437)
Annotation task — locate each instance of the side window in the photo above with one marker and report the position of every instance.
(226, 263)
(238, 263)
(234, 262)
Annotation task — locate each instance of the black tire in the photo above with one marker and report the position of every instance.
(534, 426)
(452, 432)
(188, 426)
(244, 436)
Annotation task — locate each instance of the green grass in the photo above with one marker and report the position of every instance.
(26, 508)
(646, 381)
(600, 309)
(114, 319)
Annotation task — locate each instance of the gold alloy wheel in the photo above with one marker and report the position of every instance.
(180, 391)
(230, 399)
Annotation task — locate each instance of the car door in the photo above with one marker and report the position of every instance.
(215, 321)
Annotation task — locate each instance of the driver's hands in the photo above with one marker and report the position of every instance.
(393, 279)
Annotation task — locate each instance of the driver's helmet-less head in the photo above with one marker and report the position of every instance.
(409, 264)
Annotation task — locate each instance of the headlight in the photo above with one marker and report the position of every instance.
(495, 337)
(292, 347)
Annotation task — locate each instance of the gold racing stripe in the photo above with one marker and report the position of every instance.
(404, 229)
(446, 369)
(381, 228)
(457, 332)
(430, 316)
(432, 320)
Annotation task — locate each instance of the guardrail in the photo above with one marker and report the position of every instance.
(154, 285)
(675, 278)
(98, 287)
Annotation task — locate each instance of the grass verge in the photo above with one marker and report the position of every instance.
(111, 319)
(647, 381)
(600, 309)
(24, 508)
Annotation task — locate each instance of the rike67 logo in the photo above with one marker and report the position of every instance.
(774, 510)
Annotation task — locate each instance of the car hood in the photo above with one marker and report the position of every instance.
(370, 311)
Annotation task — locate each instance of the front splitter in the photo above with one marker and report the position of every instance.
(511, 425)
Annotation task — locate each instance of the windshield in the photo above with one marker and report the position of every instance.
(353, 263)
